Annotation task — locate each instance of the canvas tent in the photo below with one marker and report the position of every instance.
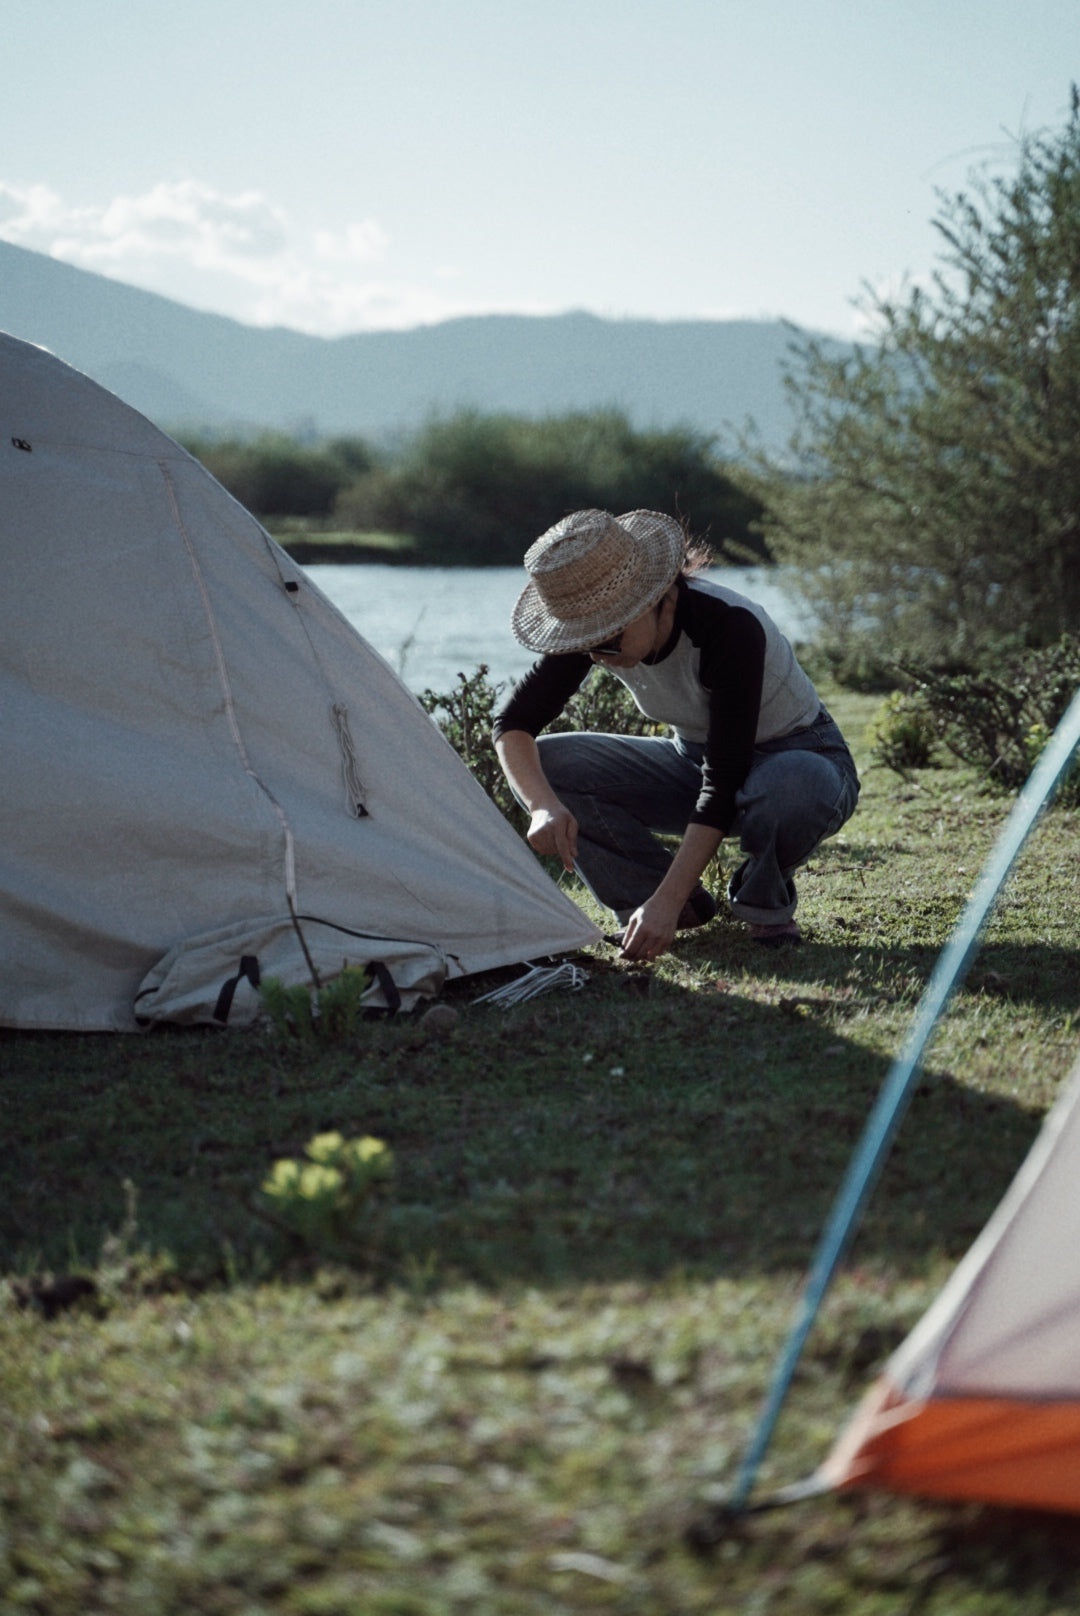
(982, 1400)
(207, 774)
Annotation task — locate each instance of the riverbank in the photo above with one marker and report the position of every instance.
(309, 545)
(347, 552)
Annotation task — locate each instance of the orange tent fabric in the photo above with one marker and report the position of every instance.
(982, 1401)
(999, 1450)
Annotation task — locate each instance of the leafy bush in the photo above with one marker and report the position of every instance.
(274, 475)
(476, 488)
(903, 732)
(329, 1013)
(999, 721)
(465, 715)
(853, 665)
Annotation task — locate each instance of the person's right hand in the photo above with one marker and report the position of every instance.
(553, 832)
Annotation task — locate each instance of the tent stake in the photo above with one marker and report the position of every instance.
(900, 1082)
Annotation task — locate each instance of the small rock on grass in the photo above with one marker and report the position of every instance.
(440, 1020)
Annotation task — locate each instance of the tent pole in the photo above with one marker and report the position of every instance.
(900, 1082)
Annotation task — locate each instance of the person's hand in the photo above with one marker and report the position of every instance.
(650, 930)
(553, 832)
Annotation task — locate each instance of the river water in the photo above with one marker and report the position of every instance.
(432, 623)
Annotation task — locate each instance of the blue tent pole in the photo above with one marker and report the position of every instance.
(897, 1088)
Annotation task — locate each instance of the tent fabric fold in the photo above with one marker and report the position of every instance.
(207, 979)
(195, 741)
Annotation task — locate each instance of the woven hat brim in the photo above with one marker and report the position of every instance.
(534, 626)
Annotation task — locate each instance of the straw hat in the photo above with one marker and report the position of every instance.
(592, 574)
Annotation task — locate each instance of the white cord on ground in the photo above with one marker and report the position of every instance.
(537, 979)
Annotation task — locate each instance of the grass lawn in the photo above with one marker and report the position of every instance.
(533, 1396)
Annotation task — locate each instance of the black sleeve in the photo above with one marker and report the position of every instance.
(732, 669)
(541, 694)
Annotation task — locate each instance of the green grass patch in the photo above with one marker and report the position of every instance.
(535, 1388)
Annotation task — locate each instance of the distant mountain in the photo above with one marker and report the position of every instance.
(184, 368)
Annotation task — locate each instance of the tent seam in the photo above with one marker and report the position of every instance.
(226, 683)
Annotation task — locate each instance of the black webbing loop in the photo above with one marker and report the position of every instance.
(387, 983)
(249, 971)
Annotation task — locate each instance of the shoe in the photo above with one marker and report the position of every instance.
(778, 936)
(698, 910)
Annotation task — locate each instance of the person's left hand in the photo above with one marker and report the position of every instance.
(650, 930)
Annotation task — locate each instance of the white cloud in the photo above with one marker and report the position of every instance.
(183, 219)
(191, 220)
(325, 305)
(30, 214)
(357, 243)
(240, 253)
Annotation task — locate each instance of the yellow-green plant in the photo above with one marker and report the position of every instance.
(903, 733)
(333, 1201)
(340, 1003)
(330, 1013)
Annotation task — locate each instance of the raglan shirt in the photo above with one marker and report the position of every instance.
(727, 679)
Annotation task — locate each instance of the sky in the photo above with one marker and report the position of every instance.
(348, 165)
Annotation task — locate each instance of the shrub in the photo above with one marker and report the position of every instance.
(329, 1013)
(851, 664)
(478, 489)
(274, 475)
(998, 721)
(465, 715)
(903, 733)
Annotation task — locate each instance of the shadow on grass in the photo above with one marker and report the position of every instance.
(925, 1559)
(631, 1131)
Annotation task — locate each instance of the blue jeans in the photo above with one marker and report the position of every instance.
(622, 789)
